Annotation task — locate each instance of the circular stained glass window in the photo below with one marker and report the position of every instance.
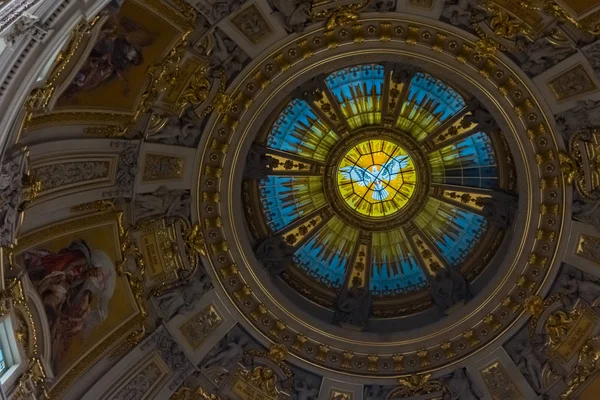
(376, 178)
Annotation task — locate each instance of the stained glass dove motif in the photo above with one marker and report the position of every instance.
(377, 176)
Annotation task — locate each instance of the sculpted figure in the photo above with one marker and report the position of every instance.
(162, 202)
(527, 359)
(353, 307)
(459, 12)
(448, 287)
(228, 352)
(183, 298)
(227, 55)
(304, 389)
(460, 387)
(216, 10)
(587, 211)
(183, 131)
(500, 209)
(382, 5)
(11, 183)
(584, 116)
(258, 164)
(541, 55)
(293, 14)
(480, 116)
(374, 392)
(275, 254)
(578, 284)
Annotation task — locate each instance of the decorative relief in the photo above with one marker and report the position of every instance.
(144, 381)
(17, 188)
(499, 384)
(416, 385)
(592, 53)
(336, 394)
(12, 10)
(426, 4)
(74, 173)
(26, 25)
(159, 167)
(200, 326)
(589, 247)
(252, 24)
(127, 166)
(162, 202)
(585, 116)
(294, 15)
(172, 355)
(572, 83)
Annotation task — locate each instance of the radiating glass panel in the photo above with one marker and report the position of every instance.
(453, 230)
(395, 269)
(3, 366)
(326, 255)
(469, 162)
(358, 90)
(284, 199)
(299, 130)
(429, 103)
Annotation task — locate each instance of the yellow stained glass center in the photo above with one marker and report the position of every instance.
(377, 178)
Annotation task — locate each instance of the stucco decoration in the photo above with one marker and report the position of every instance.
(163, 202)
(183, 297)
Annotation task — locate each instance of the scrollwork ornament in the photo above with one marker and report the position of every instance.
(416, 385)
(40, 97)
(573, 167)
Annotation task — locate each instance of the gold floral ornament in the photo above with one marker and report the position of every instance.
(587, 364)
(535, 306)
(32, 381)
(337, 15)
(486, 47)
(416, 385)
(198, 88)
(264, 379)
(195, 241)
(278, 353)
(573, 167)
(559, 324)
(590, 24)
(503, 24)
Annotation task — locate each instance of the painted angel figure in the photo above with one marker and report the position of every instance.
(75, 285)
(118, 48)
(377, 177)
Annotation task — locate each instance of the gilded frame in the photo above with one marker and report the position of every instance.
(127, 333)
(41, 102)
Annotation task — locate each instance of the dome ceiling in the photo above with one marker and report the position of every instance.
(300, 200)
(386, 163)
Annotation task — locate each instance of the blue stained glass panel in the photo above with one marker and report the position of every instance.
(326, 255)
(469, 162)
(284, 199)
(395, 270)
(358, 90)
(3, 366)
(454, 231)
(298, 130)
(429, 103)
